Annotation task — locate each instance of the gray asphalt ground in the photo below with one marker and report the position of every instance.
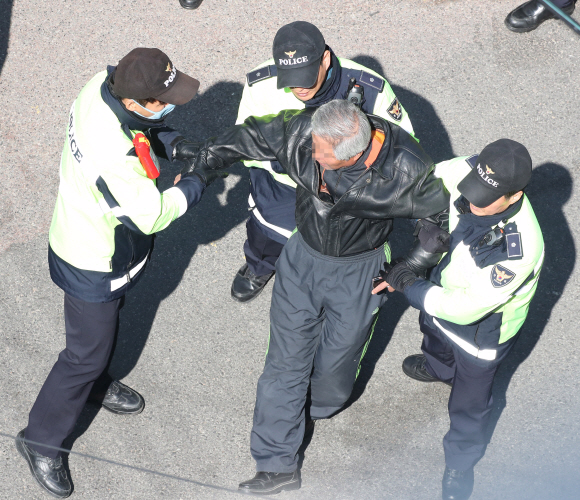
(196, 355)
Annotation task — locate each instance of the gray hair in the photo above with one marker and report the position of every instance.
(343, 125)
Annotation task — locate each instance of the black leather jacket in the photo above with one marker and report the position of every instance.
(398, 184)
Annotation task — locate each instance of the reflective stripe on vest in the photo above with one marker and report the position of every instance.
(123, 280)
(256, 212)
(487, 354)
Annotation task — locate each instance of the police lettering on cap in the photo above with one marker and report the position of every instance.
(502, 167)
(145, 73)
(298, 49)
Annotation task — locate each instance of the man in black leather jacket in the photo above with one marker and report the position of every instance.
(355, 173)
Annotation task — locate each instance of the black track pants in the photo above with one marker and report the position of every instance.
(321, 319)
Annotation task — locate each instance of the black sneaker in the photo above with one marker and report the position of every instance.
(48, 472)
(457, 484)
(414, 367)
(270, 483)
(247, 285)
(120, 399)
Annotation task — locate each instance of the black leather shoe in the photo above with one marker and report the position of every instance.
(247, 285)
(530, 15)
(270, 483)
(190, 4)
(120, 399)
(457, 484)
(48, 472)
(414, 367)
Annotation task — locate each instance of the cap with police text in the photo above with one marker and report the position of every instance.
(502, 167)
(145, 73)
(298, 48)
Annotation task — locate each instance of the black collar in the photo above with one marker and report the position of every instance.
(126, 117)
(330, 87)
(462, 206)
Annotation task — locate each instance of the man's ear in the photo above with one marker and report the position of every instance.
(326, 59)
(516, 197)
(129, 104)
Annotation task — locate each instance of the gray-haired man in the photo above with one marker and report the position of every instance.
(355, 173)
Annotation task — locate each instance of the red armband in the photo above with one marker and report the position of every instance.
(143, 150)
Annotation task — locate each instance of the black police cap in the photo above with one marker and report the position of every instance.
(145, 73)
(504, 166)
(298, 48)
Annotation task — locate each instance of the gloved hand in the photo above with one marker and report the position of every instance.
(186, 150)
(206, 174)
(398, 276)
(433, 238)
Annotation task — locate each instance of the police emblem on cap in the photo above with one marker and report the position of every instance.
(395, 111)
(290, 54)
(501, 276)
(488, 170)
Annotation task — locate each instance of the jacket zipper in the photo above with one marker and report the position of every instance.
(475, 338)
(132, 250)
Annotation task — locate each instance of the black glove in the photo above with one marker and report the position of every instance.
(206, 175)
(398, 276)
(433, 238)
(186, 150)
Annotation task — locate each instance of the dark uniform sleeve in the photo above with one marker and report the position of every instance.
(163, 141)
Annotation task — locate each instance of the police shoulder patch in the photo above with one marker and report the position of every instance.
(395, 111)
(472, 161)
(261, 74)
(371, 80)
(501, 276)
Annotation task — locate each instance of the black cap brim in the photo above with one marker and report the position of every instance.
(304, 77)
(182, 91)
(476, 192)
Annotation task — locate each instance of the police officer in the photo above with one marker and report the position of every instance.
(477, 298)
(107, 212)
(305, 72)
(530, 15)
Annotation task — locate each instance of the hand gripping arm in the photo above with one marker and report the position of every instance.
(431, 241)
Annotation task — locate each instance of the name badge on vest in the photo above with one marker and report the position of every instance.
(513, 241)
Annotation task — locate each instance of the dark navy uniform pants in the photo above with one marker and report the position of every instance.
(261, 251)
(470, 401)
(90, 335)
(321, 319)
(275, 203)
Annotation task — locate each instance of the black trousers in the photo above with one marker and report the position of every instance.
(261, 252)
(470, 401)
(91, 328)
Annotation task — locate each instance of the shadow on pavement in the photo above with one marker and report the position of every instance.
(5, 15)
(207, 115)
(549, 190)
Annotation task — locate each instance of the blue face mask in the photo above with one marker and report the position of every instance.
(156, 115)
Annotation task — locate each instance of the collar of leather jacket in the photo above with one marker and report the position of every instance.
(379, 163)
